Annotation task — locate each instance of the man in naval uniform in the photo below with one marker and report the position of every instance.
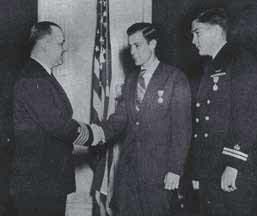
(44, 129)
(225, 120)
(155, 114)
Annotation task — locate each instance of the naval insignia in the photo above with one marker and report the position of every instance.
(236, 147)
(215, 78)
(160, 96)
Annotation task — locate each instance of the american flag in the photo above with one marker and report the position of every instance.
(101, 78)
(101, 81)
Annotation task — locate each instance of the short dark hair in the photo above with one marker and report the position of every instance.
(39, 30)
(214, 16)
(149, 30)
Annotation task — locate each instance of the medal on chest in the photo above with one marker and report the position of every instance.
(215, 78)
(160, 96)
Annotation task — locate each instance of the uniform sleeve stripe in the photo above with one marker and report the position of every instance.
(85, 134)
(79, 137)
(233, 151)
(82, 137)
(234, 155)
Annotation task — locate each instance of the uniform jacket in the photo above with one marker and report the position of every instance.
(225, 117)
(44, 132)
(158, 135)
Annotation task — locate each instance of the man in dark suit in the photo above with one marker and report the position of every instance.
(155, 115)
(43, 172)
(224, 150)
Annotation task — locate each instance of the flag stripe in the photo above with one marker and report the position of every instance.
(96, 87)
(101, 77)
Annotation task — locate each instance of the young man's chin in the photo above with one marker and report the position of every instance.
(137, 63)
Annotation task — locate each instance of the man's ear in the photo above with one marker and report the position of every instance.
(47, 39)
(153, 43)
(218, 30)
(43, 44)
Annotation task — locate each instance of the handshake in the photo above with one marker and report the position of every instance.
(89, 135)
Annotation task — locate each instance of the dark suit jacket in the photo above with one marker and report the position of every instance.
(228, 115)
(44, 132)
(158, 136)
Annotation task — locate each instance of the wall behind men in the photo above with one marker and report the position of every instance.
(78, 19)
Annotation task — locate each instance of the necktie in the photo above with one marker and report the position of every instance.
(141, 87)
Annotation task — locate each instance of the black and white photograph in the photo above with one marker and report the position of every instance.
(128, 108)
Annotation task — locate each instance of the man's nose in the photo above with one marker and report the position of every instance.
(194, 40)
(132, 50)
(64, 48)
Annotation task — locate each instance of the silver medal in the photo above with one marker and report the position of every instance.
(215, 87)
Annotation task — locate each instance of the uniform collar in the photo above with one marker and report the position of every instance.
(223, 57)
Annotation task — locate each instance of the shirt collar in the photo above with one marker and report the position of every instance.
(151, 68)
(42, 64)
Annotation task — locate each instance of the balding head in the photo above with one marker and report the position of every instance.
(47, 40)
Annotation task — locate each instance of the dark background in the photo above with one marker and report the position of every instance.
(16, 18)
(174, 16)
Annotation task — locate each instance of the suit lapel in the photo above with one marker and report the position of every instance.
(44, 74)
(61, 92)
(132, 94)
(204, 84)
(156, 83)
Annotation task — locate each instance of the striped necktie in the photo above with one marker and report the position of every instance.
(141, 87)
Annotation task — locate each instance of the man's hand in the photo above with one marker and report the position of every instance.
(195, 184)
(171, 181)
(228, 179)
(98, 134)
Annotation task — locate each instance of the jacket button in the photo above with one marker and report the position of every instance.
(197, 104)
(8, 139)
(206, 135)
(195, 135)
(208, 101)
(207, 118)
(197, 120)
(137, 123)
